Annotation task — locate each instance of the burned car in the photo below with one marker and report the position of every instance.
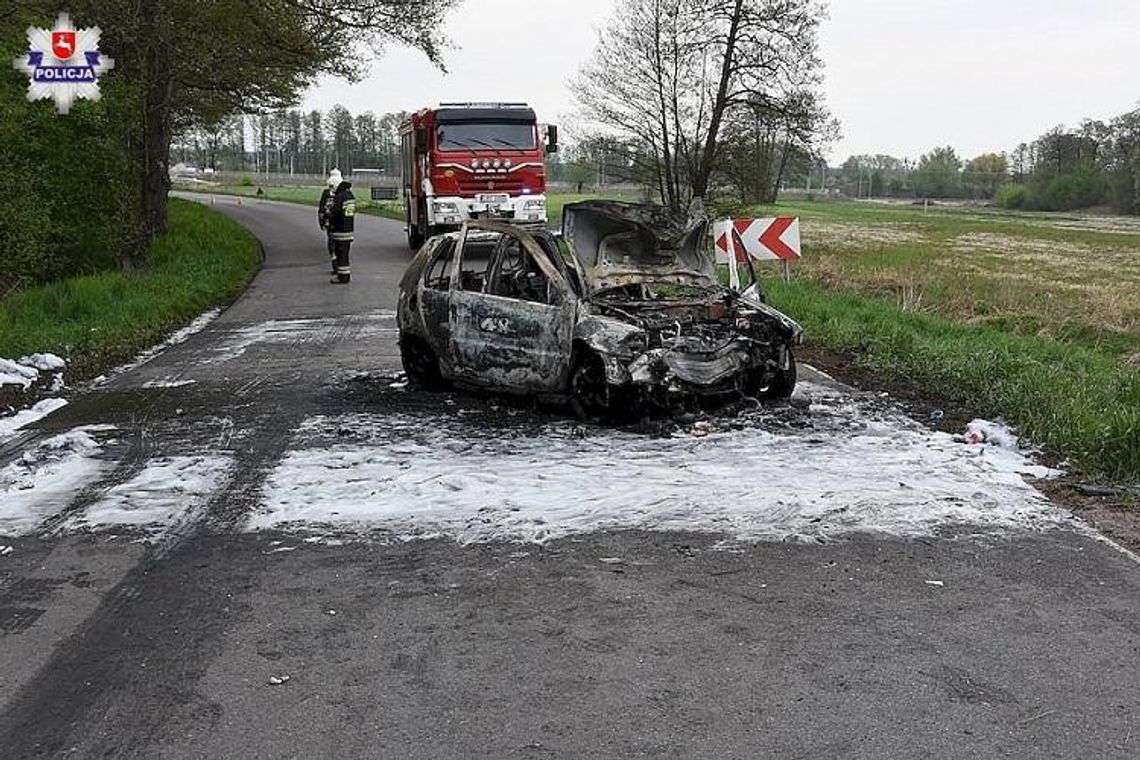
(624, 309)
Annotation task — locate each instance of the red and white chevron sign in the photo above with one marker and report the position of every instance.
(775, 239)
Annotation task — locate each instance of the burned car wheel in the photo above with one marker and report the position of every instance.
(590, 397)
(781, 385)
(420, 363)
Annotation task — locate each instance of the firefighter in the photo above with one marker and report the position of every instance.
(324, 207)
(341, 225)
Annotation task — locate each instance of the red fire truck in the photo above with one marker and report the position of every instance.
(473, 160)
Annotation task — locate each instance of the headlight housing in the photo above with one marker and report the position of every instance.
(444, 207)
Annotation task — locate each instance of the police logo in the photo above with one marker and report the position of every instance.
(63, 63)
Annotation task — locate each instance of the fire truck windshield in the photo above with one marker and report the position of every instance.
(476, 136)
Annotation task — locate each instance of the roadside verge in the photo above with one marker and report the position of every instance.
(98, 321)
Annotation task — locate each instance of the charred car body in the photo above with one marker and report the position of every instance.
(625, 308)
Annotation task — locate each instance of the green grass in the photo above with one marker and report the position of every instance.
(1077, 402)
(100, 320)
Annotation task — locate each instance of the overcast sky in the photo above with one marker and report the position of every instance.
(902, 76)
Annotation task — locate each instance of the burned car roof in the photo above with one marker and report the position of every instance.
(616, 244)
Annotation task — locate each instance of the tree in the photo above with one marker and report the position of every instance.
(937, 175)
(668, 75)
(868, 175)
(340, 124)
(1125, 162)
(985, 173)
(579, 172)
(193, 62)
(760, 141)
(69, 200)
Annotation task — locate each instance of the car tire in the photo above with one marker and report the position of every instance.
(590, 396)
(420, 364)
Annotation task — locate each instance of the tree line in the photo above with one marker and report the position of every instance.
(941, 173)
(289, 141)
(1095, 164)
(89, 190)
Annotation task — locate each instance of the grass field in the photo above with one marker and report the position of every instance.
(100, 320)
(1068, 277)
(1031, 317)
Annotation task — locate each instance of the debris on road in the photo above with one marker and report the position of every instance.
(6, 550)
(1039, 716)
(994, 433)
(940, 584)
(278, 680)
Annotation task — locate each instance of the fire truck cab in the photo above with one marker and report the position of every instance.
(473, 161)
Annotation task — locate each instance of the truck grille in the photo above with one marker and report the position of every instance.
(469, 186)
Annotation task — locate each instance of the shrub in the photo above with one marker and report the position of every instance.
(1012, 196)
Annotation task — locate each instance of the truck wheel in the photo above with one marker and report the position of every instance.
(415, 237)
(415, 232)
(420, 363)
(589, 392)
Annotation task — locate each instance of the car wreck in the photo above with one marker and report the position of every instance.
(624, 310)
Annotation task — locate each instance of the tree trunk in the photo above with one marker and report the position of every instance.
(708, 156)
(780, 171)
(153, 146)
(156, 173)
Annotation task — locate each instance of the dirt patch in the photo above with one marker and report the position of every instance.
(15, 398)
(857, 236)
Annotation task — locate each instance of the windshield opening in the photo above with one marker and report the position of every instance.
(476, 136)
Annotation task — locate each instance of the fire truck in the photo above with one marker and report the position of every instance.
(470, 161)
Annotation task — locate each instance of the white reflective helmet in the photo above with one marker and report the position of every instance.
(334, 178)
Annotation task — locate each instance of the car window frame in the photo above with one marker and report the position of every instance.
(530, 246)
(434, 257)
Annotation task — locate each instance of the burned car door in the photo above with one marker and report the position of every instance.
(435, 295)
(511, 328)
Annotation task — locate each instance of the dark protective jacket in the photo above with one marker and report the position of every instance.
(324, 205)
(342, 215)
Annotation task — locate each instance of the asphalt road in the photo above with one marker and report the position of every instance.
(209, 641)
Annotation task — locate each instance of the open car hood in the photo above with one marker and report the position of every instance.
(617, 244)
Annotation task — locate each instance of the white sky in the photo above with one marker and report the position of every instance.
(902, 76)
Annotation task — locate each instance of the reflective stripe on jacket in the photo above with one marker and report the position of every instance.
(342, 216)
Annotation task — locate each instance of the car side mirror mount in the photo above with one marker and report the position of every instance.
(551, 138)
